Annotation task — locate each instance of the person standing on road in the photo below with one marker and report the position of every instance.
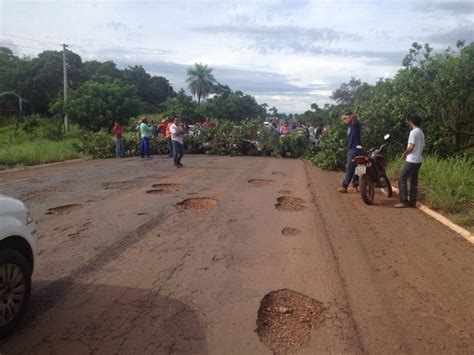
(354, 129)
(412, 156)
(117, 131)
(168, 137)
(145, 132)
(177, 132)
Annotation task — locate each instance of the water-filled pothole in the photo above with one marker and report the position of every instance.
(168, 187)
(260, 182)
(60, 210)
(289, 203)
(197, 204)
(287, 231)
(285, 319)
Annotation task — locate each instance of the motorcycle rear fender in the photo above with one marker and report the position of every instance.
(360, 159)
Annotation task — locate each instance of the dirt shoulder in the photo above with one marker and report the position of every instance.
(128, 270)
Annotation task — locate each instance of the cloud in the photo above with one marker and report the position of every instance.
(117, 26)
(453, 8)
(272, 34)
(465, 32)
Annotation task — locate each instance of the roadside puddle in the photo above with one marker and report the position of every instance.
(285, 320)
(197, 204)
(62, 210)
(289, 203)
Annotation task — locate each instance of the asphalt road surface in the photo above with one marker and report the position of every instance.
(124, 271)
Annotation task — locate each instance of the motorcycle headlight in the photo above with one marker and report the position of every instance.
(29, 220)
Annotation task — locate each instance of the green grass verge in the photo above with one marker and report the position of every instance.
(446, 185)
(38, 151)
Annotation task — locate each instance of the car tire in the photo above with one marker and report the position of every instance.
(15, 289)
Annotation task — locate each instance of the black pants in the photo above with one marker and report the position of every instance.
(409, 171)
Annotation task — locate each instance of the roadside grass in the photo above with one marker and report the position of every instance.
(38, 151)
(21, 148)
(446, 185)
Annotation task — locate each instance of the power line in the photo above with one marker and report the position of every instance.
(30, 39)
(17, 45)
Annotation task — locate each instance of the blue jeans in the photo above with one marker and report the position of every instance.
(178, 151)
(118, 147)
(350, 169)
(170, 146)
(145, 147)
(409, 171)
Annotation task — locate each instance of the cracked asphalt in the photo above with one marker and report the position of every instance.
(128, 272)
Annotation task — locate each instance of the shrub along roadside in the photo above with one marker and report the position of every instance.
(446, 185)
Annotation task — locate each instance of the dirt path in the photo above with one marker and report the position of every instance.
(134, 266)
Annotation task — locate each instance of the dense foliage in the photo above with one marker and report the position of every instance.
(438, 87)
(39, 80)
(96, 104)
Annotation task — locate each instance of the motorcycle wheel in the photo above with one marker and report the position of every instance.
(367, 189)
(387, 186)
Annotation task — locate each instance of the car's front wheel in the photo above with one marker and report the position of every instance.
(15, 289)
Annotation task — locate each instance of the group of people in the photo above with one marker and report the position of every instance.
(173, 131)
(311, 132)
(412, 156)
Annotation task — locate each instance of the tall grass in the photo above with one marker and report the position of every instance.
(38, 151)
(446, 184)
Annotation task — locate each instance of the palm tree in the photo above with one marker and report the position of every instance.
(200, 80)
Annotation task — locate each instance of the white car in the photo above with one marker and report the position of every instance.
(17, 257)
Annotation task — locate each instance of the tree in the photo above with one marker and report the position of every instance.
(96, 70)
(348, 92)
(181, 105)
(95, 105)
(200, 81)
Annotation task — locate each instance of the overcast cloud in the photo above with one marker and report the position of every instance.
(286, 53)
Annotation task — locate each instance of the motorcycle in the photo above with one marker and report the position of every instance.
(371, 171)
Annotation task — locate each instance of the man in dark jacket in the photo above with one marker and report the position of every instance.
(353, 149)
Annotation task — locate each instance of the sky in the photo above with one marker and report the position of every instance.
(287, 54)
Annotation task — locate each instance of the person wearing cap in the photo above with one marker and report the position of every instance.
(353, 149)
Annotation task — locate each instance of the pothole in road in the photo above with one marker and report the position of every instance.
(60, 210)
(285, 192)
(278, 173)
(288, 231)
(197, 204)
(155, 192)
(289, 203)
(260, 182)
(168, 187)
(285, 319)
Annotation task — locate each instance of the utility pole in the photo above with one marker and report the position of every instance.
(66, 124)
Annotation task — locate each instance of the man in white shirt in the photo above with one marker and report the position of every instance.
(412, 156)
(177, 132)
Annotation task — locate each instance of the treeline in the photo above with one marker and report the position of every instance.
(99, 92)
(439, 87)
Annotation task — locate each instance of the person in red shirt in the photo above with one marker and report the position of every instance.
(117, 131)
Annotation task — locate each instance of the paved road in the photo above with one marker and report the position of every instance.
(126, 271)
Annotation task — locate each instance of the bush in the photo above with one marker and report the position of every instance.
(101, 144)
(332, 154)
